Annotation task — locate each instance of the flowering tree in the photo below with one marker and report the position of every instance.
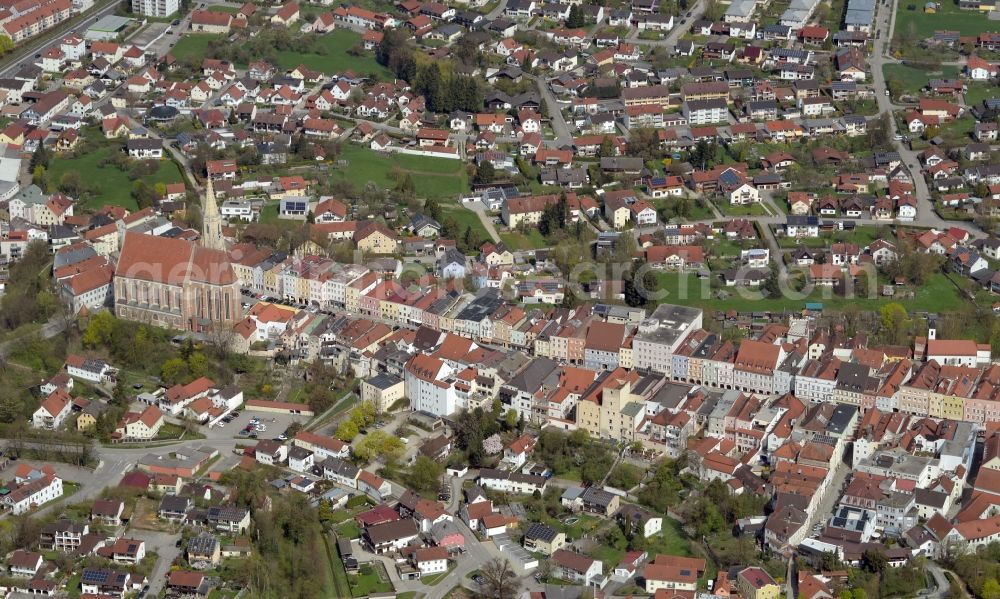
(493, 445)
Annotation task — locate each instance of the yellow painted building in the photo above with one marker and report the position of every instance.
(755, 583)
(612, 411)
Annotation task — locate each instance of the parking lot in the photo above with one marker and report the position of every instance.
(274, 425)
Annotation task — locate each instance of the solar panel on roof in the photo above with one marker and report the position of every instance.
(95, 576)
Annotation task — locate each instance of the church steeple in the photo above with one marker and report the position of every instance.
(211, 220)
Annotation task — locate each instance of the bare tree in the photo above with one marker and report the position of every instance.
(220, 336)
(499, 580)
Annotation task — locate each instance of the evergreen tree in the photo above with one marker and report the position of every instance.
(562, 210)
(637, 292)
(575, 19)
(432, 209)
(570, 300)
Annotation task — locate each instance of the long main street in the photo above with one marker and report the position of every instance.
(25, 54)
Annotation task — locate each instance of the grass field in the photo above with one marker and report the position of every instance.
(521, 241)
(224, 8)
(335, 59)
(193, 46)
(465, 218)
(979, 92)
(860, 235)
(438, 178)
(937, 295)
(670, 541)
(913, 79)
(950, 17)
(755, 209)
(108, 184)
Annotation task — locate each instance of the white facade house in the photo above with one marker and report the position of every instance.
(89, 369)
(511, 482)
(238, 209)
(426, 382)
(53, 411)
(32, 493)
(431, 560)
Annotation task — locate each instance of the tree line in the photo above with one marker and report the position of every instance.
(442, 88)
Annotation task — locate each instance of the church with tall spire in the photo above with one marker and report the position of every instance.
(211, 220)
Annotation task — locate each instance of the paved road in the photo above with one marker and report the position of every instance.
(90, 483)
(564, 137)
(676, 33)
(164, 544)
(941, 582)
(496, 12)
(484, 217)
(885, 19)
(25, 55)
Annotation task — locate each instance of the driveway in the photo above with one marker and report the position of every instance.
(164, 544)
(484, 217)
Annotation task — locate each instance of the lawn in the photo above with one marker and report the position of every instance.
(349, 530)
(723, 248)
(958, 131)
(193, 46)
(465, 218)
(531, 240)
(949, 17)
(670, 541)
(937, 295)
(367, 581)
(224, 8)
(434, 579)
(980, 91)
(108, 184)
(755, 209)
(699, 209)
(333, 56)
(912, 79)
(862, 236)
(438, 178)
